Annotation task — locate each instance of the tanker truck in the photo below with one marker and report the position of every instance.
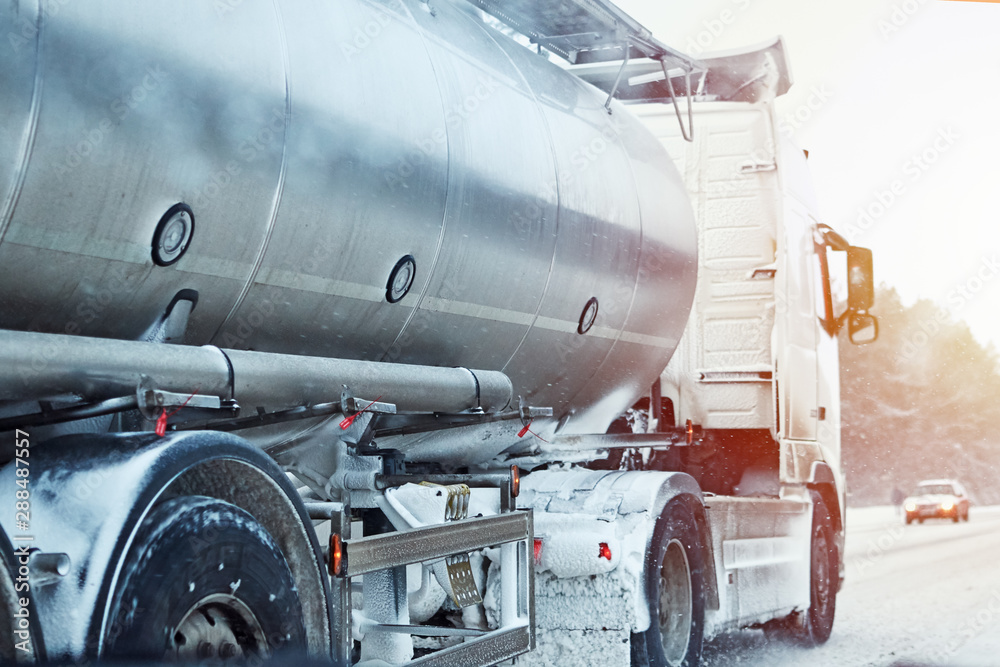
(392, 332)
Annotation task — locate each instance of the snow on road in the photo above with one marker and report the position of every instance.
(915, 596)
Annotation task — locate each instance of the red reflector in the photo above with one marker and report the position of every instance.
(515, 481)
(605, 551)
(538, 551)
(336, 555)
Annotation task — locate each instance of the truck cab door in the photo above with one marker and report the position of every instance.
(796, 328)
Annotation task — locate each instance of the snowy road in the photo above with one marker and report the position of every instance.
(917, 595)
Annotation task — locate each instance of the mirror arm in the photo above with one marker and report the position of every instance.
(838, 323)
(832, 238)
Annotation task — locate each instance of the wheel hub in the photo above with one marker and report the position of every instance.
(219, 627)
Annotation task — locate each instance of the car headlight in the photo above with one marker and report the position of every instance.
(911, 507)
(947, 505)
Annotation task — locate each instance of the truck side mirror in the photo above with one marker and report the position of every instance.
(862, 328)
(861, 280)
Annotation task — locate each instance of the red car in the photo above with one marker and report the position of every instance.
(937, 498)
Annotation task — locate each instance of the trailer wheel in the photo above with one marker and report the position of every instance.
(203, 581)
(675, 590)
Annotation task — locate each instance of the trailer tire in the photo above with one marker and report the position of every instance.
(203, 580)
(675, 591)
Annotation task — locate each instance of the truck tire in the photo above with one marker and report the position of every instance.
(675, 590)
(823, 570)
(813, 627)
(203, 581)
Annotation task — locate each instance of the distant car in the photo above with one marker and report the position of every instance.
(937, 498)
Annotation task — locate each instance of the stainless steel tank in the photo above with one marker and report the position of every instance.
(383, 180)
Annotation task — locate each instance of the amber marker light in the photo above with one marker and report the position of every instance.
(336, 555)
(515, 481)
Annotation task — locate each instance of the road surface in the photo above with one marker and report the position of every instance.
(915, 596)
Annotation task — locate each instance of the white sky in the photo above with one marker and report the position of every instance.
(893, 90)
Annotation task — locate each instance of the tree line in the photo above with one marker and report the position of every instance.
(921, 402)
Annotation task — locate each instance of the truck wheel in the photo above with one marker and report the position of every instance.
(675, 590)
(203, 581)
(813, 627)
(823, 587)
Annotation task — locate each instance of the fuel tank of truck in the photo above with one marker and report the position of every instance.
(386, 180)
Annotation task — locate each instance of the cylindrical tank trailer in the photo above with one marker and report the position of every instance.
(355, 180)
